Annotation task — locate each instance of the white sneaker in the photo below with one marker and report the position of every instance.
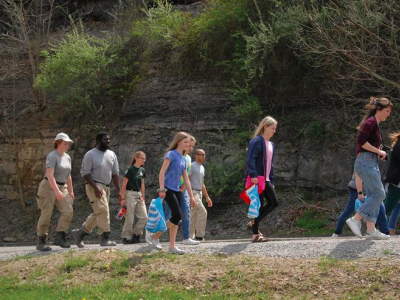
(190, 242)
(376, 235)
(355, 226)
(176, 250)
(335, 235)
(148, 238)
(156, 243)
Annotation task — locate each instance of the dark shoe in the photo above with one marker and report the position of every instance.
(79, 234)
(135, 239)
(200, 239)
(105, 240)
(61, 240)
(41, 243)
(125, 241)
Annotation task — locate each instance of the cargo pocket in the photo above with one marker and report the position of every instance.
(39, 201)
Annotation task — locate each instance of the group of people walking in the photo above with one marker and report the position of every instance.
(181, 185)
(366, 184)
(100, 168)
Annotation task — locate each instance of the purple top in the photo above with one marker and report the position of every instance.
(175, 170)
(369, 132)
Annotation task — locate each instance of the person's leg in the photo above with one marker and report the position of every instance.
(347, 212)
(130, 204)
(257, 220)
(272, 203)
(382, 220)
(141, 216)
(193, 220)
(65, 207)
(201, 220)
(392, 198)
(393, 219)
(45, 201)
(185, 208)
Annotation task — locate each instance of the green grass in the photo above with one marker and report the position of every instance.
(73, 263)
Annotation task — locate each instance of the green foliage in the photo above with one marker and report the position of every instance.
(310, 221)
(316, 131)
(73, 263)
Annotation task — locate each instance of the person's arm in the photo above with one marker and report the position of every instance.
(359, 186)
(188, 187)
(123, 190)
(142, 190)
(115, 178)
(367, 146)
(161, 177)
(70, 187)
(253, 152)
(53, 184)
(368, 128)
(205, 193)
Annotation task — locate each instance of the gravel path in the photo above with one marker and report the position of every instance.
(343, 248)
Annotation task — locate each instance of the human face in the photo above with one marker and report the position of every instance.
(269, 131)
(140, 160)
(200, 156)
(183, 145)
(63, 147)
(191, 147)
(105, 142)
(383, 114)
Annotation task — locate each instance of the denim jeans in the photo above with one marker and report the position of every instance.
(349, 211)
(394, 217)
(366, 166)
(185, 209)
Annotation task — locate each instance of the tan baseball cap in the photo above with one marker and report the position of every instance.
(64, 137)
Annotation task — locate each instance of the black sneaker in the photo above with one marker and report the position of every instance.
(200, 239)
(125, 241)
(135, 239)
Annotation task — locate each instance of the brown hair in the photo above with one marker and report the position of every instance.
(137, 154)
(56, 143)
(394, 137)
(375, 104)
(268, 120)
(177, 138)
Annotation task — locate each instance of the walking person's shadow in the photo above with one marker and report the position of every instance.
(350, 249)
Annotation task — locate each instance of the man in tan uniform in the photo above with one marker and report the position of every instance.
(99, 167)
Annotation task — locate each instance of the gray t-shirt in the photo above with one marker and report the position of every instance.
(100, 165)
(61, 164)
(197, 174)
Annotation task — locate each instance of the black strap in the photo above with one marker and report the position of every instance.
(59, 183)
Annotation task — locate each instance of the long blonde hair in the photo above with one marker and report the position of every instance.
(268, 120)
(394, 137)
(375, 104)
(177, 138)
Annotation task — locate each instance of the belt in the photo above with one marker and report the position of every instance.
(197, 190)
(132, 190)
(59, 183)
(107, 185)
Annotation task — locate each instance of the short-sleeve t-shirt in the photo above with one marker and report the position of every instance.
(100, 165)
(197, 174)
(135, 176)
(61, 164)
(188, 168)
(175, 170)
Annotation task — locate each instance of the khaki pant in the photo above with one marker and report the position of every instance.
(46, 199)
(198, 217)
(101, 212)
(134, 208)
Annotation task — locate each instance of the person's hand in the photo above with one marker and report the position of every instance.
(141, 198)
(161, 195)
(361, 197)
(59, 195)
(192, 202)
(98, 192)
(122, 201)
(254, 180)
(382, 155)
(209, 202)
(72, 195)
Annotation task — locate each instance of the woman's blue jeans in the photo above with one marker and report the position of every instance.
(349, 211)
(394, 217)
(366, 166)
(185, 208)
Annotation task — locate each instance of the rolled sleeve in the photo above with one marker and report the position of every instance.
(365, 131)
(51, 162)
(87, 165)
(115, 169)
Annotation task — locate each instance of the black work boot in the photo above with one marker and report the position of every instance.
(41, 243)
(79, 234)
(135, 239)
(125, 241)
(105, 240)
(61, 240)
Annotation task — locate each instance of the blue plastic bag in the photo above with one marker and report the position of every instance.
(156, 217)
(358, 203)
(254, 207)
